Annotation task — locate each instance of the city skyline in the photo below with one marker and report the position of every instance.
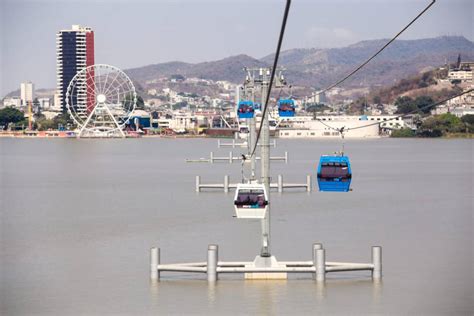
(135, 34)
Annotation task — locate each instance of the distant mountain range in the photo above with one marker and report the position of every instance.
(319, 67)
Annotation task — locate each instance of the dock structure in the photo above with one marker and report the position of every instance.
(235, 144)
(231, 158)
(318, 267)
(279, 185)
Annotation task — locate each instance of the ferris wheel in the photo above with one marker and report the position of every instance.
(101, 98)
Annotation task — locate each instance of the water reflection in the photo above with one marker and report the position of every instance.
(266, 294)
(211, 293)
(262, 297)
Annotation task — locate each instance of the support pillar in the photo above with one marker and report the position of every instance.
(230, 157)
(198, 183)
(377, 262)
(280, 183)
(308, 183)
(316, 246)
(320, 265)
(226, 183)
(251, 144)
(212, 259)
(211, 157)
(154, 262)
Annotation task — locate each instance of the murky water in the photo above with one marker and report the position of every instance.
(78, 218)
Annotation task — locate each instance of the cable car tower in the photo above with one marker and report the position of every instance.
(259, 78)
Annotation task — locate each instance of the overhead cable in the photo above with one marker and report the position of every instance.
(275, 63)
(378, 52)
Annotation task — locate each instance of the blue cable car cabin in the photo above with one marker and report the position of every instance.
(245, 109)
(334, 174)
(286, 108)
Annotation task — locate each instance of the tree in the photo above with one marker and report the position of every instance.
(63, 119)
(468, 118)
(177, 77)
(377, 100)
(438, 125)
(10, 115)
(468, 121)
(315, 108)
(128, 101)
(403, 132)
(45, 124)
(36, 103)
(423, 102)
(180, 105)
(405, 105)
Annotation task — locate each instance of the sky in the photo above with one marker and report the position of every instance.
(134, 33)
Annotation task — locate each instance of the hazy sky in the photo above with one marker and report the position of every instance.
(136, 33)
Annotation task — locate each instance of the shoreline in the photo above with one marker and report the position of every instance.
(56, 135)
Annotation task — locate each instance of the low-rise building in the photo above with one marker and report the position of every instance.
(463, 72)
(44, 103)
(462, 75)
(13, 101)
(327, 126)
(460, 112)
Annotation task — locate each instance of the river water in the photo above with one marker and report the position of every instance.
(78, 218)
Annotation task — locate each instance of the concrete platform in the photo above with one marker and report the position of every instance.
(265, 262)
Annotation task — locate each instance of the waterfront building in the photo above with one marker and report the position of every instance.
(325, 126)
(27, 92)
(74, 52)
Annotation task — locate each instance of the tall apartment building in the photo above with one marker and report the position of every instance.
(74, 52)
(27, 92)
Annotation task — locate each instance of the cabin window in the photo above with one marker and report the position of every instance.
(333, 170)
(250, 198)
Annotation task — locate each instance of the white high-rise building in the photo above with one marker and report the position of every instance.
(27, 92)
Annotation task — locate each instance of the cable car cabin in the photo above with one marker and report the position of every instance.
(250, 201)
(286, 108)
(334, 174)
(245, 109)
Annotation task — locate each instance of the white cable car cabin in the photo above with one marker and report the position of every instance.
(251, 200)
